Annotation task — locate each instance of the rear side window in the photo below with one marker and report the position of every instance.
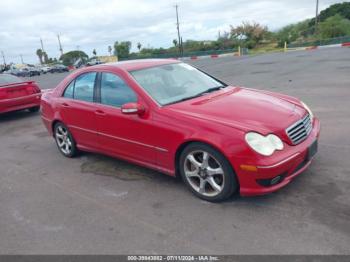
(6, 79)
(69, 92)
(82, 88)
(115, 92)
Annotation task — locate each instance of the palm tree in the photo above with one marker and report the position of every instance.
(175, 42)
(139, 46)
(94, 52)
(40, 54)
(110, 50)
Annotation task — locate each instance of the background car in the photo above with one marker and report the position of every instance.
(45, 69)
(58, 69)
(17, 94)
(172, 117)
(93, 62)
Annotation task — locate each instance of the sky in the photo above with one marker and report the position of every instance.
(93, 24)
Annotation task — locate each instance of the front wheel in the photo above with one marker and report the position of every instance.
(207, 173)
(64, 140)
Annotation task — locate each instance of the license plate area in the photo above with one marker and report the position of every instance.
(312, 150)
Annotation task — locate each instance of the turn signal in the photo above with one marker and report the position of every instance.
(249, 168)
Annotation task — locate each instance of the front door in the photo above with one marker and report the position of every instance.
(123, 135)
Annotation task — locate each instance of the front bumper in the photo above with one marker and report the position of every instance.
(281, 170)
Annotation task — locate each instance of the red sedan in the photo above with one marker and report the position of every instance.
(172, 117)
(16, 94)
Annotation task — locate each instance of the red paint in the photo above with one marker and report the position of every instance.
(153, 135)
(345, 44)
(214, 56)
(19, 95)
(194, 57)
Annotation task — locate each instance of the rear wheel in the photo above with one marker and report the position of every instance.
(34, 109)
(64, 140)
(207, 173)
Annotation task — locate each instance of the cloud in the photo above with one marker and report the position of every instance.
(96, 24)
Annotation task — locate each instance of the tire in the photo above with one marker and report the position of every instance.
(64, 140)
(34, 109)
(207, 173)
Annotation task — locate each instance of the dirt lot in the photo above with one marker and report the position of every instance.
(98, 205)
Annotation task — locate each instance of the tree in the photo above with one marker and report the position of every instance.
(334, 26)
(139, 46)
(110, 50)
(94, 52)
(293, 32)
(250, 33)
(46, 58)
(71, 57)
(175, 42)
(39, 53)
(122, 49)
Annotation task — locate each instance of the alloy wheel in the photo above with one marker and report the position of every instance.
(63, 140)
(204, 173)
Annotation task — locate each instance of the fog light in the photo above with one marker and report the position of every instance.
(275, 180)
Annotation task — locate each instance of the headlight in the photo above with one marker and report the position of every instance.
(264, 145)
(308, 110)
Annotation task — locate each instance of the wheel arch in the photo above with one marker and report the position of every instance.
(182, 146)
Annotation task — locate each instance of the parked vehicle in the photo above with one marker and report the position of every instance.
(93, 62)
(172, 117)
(17, 94)
(58, 69)
(45, 69)
(33, 71)
(13, 71)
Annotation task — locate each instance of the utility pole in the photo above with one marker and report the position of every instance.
(21, 58)
(3, 57)
(316, 17)
(42, 45)
(59, 44)
(178, 29)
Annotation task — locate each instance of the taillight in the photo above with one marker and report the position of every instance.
(33, 89)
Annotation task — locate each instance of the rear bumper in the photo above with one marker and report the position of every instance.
(19, 103)
(283, 171)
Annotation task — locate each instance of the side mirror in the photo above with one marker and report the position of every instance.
(133, 109)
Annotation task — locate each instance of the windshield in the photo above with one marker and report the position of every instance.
(173, 83)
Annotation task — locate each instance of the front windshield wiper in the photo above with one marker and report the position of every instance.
(209, 90)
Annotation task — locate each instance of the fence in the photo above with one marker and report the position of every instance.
(185, 54)
(330, 41)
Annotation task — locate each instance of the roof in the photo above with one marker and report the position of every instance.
(138, 64)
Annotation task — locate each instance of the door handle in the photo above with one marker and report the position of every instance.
(65, 105)
(100, 112)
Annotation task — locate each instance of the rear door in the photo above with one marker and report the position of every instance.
(77, 109)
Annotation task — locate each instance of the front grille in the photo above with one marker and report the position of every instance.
(300, 130)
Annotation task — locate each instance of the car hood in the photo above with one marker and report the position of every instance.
(245, 109)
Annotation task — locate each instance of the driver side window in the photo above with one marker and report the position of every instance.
(115, 92)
